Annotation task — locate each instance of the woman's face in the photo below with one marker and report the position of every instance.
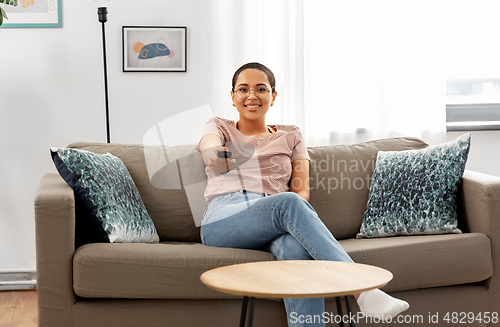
(254, 107)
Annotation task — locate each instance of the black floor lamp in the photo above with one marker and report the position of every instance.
(102, 12)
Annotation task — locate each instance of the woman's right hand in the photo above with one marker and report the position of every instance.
(209, 146)
(212, 160)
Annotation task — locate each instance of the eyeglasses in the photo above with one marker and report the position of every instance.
(243, 93)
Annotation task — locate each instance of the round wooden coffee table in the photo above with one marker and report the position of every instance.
(294, 279)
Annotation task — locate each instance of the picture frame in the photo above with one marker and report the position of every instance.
(154, 48)
(34, 14)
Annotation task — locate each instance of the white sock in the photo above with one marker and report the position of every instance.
(380, 304)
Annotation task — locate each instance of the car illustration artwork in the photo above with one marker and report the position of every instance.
(153, 50)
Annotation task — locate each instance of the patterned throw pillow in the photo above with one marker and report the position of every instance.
(414, 192)
(107, 196)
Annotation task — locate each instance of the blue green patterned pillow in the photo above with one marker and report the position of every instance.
(105, 189)
(414, 192)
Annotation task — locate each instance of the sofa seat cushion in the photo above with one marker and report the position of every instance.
(426, 261)
(153, 271)
(172, 270)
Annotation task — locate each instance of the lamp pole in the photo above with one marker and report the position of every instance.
(102, 12)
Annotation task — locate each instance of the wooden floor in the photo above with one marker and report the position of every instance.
(18, 309)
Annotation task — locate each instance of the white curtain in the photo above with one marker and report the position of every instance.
(347, 71)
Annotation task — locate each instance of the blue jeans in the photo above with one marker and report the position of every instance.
(285, 225)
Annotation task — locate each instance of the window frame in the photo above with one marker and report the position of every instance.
(472, 116)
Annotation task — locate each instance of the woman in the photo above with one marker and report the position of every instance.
(258, 199)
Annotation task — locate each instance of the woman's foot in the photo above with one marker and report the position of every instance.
(376, 303)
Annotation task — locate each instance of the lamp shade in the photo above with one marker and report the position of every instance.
(102, 3)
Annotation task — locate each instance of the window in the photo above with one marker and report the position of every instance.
(473, 105)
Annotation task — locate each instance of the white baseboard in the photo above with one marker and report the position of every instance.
(17, 279)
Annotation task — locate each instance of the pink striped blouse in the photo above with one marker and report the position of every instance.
(263, 165)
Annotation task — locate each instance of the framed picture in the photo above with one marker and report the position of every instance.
(154, 49)
(34, 13)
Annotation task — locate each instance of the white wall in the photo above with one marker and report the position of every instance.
(51, 94)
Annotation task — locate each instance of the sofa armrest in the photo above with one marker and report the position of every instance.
(480, 208)
(55, 246)
(481, 203)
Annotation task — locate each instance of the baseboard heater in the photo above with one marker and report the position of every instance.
(17, 279)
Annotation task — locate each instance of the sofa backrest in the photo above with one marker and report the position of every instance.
(340, 178)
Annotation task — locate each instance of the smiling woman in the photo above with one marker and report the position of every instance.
(252, 100)
(260, 201)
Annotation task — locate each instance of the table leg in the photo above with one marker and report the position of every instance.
(244, 307)
(244, 310)
(250, 314)
(338, 299)
(340, 311)
(349, 309)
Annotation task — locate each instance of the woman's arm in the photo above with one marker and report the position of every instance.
(299, 182)
(209, 145)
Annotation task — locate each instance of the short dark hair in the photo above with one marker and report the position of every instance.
(259, 66)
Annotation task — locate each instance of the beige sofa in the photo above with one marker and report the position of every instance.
(105, 284)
